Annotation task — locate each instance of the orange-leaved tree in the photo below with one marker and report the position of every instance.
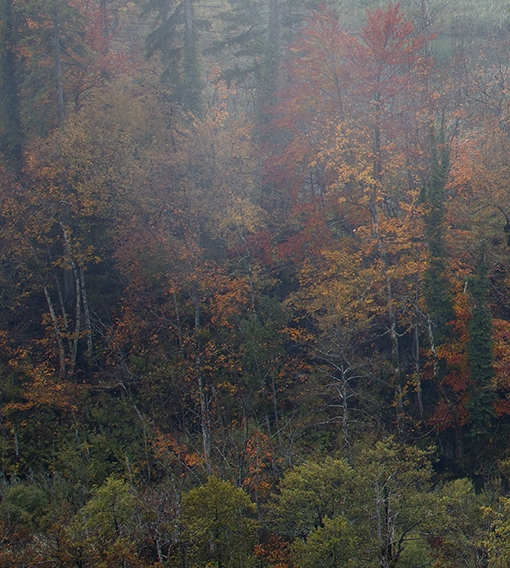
(357, 116)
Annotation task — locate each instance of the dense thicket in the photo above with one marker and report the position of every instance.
(254, 284)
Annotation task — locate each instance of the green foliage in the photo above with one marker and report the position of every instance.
(102, 532)
(309, 493)
(11, 138)
(481, 358)
(218, 525)
(437, 291)
(393, 499)
(498, 541)
(109, 513)
(36, 443)
(332, 545)
(161, 320)
(175, 37)
(26, 506)
(376, 510)
(417, 552)
(459, 519)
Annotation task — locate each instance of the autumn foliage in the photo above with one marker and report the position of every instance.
(268, 326)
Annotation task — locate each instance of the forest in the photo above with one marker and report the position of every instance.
(254, 284)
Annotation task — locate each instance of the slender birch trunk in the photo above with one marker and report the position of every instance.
(58, 335)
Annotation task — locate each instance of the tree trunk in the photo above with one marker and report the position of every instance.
(204, 419)
(204, 409)
(77, 323)
(86, 312)
(61, 350)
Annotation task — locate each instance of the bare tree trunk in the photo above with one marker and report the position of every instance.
(275, 410)
(145, 441)
(444, 395)
(64, 313)
(61, 351)
(188, 27)
(160, 552)
(392, 320)
(345, 414)
(179, 327)
(204, 410)
(204, 420)
(77, 325)
(419, 398)
(251, 279)
(16, 442)
(392, 323)
(79, 300)
(86, 312)
(395, 358)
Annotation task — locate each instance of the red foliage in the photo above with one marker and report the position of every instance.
(260, 246)
(275, 551)
(374, 81)
(105, 59)
(259, 455)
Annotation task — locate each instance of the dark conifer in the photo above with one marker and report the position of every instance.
(11, 138)
(436, 286)
(480, 356)
(176, 38)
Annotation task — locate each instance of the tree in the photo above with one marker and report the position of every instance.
(463, 526)
(332, 545)
(175, 36)
(498, 538)
(26, 506)
(254, 35)
(352, 166)
(102, 532)
(62, 238)
(356, 89)
(54, 41)
(10, 78)
(68, 50)
(437, 289)
(397, 507)
(309, 494)
(218, 525)
(481, 360)
(369, 514)
(437, 292)
(109, 514)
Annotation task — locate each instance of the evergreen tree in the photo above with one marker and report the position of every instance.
(11, 138)
(175, 37)
(271, 62)
(54, 48)
(254, 36)
(437, 293)
(481, 358)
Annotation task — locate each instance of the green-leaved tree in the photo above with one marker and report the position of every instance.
(218, 526)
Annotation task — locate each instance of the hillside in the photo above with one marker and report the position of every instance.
(254, 284)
